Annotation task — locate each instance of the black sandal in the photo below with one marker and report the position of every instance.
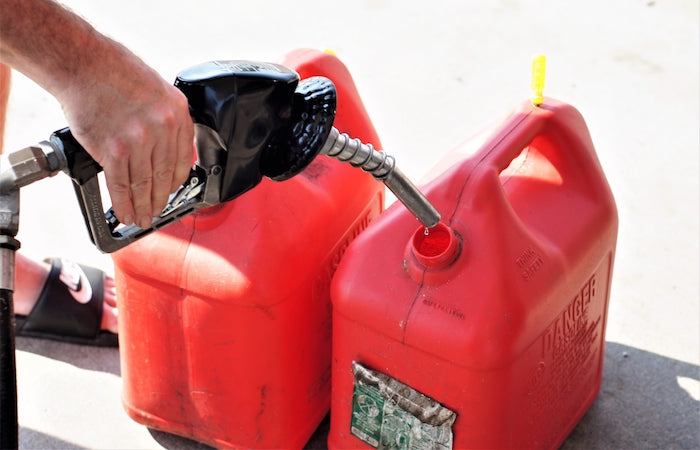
(69, 308)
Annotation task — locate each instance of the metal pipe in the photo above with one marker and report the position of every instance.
(9, 221)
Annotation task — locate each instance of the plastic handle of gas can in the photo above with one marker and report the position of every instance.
(518, 133)
(558, 128)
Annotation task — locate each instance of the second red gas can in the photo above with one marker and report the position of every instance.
(225, 317)
(488, 330)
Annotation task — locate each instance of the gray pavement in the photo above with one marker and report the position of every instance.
(430, 77)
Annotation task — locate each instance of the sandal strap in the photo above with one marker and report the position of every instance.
(58, 312)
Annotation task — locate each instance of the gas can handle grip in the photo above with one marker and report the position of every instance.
(572, 151)
(509, 142)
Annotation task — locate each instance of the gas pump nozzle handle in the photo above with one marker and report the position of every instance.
(247, 119)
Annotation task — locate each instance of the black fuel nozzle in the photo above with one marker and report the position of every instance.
(244, 114)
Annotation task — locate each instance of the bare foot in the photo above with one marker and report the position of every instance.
(30, 277)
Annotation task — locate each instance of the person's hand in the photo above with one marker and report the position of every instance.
(131, 121)
(137, 127)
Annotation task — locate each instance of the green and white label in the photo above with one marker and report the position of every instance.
(388, 414)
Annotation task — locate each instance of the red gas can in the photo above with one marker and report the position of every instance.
(225, 317)
(489, 330)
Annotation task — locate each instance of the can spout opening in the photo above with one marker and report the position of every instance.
(435, 247)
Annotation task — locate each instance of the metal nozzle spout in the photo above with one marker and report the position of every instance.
(382, 167)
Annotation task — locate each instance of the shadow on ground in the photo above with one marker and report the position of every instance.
(98, 359)
(643, 403)
(29, 435)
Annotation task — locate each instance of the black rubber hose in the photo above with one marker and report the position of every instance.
(9, 435)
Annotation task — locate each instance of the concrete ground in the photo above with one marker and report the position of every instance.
(430, 77)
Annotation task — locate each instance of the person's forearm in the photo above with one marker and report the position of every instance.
(49, 43)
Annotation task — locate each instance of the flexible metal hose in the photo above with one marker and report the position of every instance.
(381, 166)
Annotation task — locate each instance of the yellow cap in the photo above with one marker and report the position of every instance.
(539, 68)
(329, 51)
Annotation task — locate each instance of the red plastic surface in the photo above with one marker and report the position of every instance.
(509, 334)
(225, 321)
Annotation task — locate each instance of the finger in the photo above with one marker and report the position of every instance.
(184, 150)
(185, 156)
(163, 159)
(141, 182)
(116, 171)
